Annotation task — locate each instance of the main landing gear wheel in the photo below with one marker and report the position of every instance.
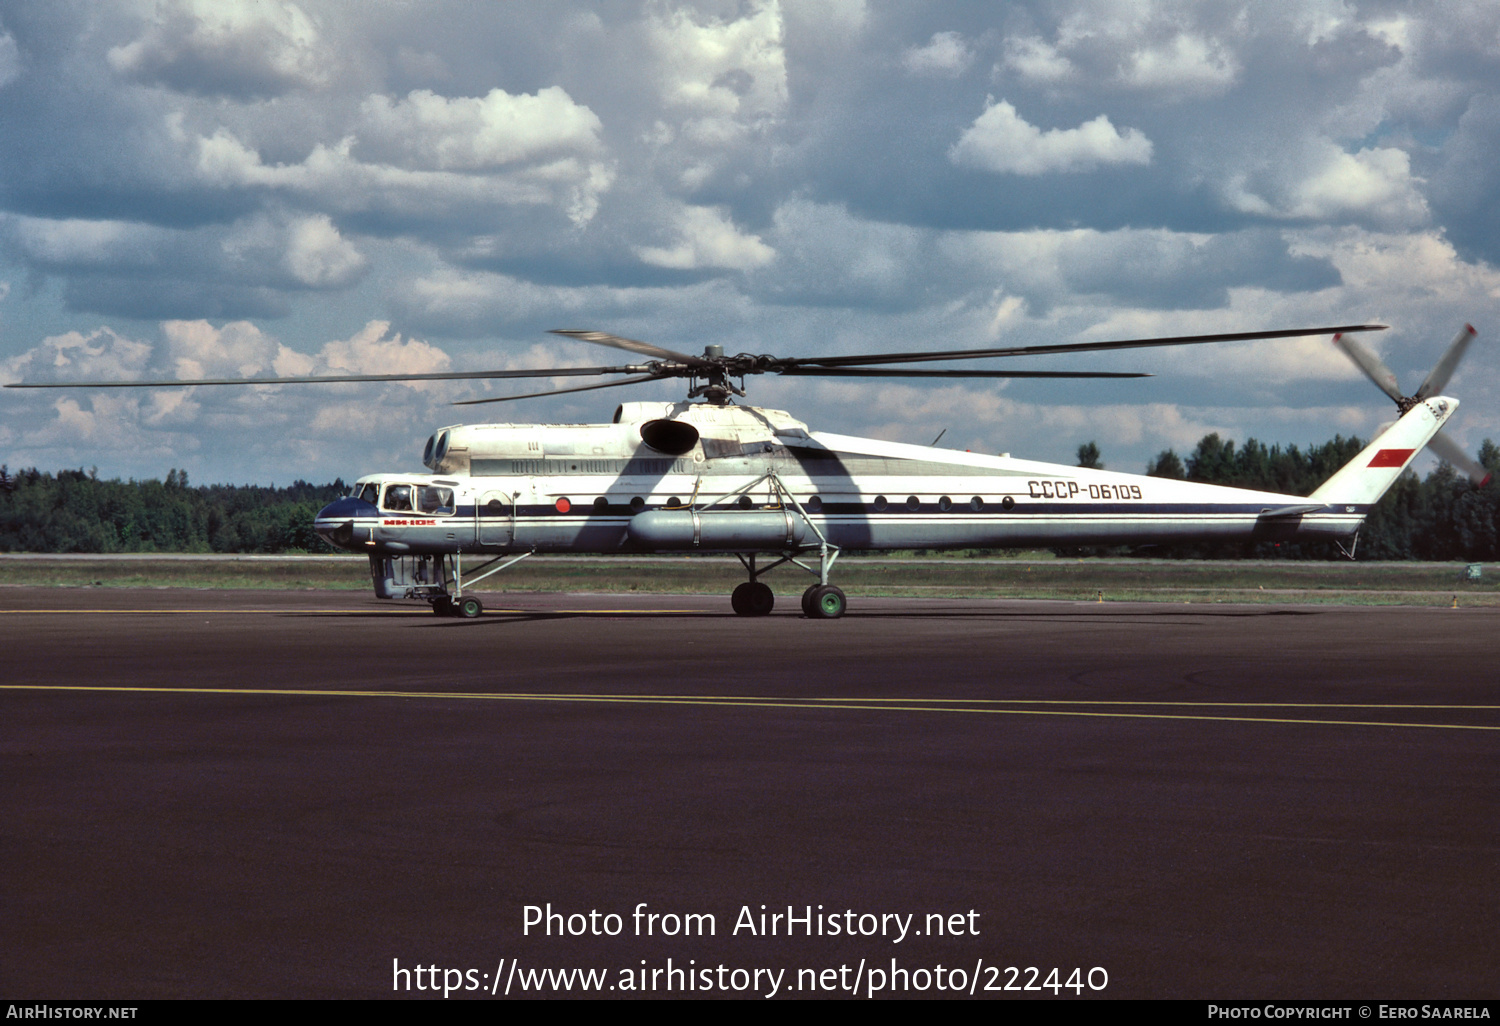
(752, 599)
(823, 602)
(468, 608)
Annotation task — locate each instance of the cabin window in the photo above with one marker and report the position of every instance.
(435, 500)
(814, 504)
(398, 498)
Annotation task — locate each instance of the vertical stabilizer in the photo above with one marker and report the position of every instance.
(1364, 479)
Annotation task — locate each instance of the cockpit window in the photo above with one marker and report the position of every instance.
(370, 492)
(398, 498)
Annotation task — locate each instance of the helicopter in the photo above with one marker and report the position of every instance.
(714, 476)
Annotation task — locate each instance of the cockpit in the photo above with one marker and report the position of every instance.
(407, 497)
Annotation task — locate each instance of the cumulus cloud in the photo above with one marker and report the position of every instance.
(531, 170)
(723, 67)
(1375, 185)
(728, 77)
(375, 349)
(707, 238)
(1036, 60)
(1186, 62)
(101, 355)
(319, 257)
(237, 48)
(946, 55)
(240, 349)
(196, 349)
(76, 242)
(1001, 140)
(476, 133)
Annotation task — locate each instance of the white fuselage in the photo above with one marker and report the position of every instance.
(602, 488)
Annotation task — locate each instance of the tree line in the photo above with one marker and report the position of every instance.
(75, 511)
(1441, 517)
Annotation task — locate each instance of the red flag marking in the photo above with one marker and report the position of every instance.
(1392, 457)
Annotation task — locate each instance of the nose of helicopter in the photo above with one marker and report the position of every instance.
(335, 521)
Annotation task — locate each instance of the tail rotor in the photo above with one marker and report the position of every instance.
(1385, 379)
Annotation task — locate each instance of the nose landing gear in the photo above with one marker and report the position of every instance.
(467, 607)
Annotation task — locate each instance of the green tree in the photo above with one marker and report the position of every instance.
(1166, 464)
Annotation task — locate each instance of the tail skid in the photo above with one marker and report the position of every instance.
(1364, 479)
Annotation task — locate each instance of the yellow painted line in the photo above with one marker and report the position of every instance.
(864, 705)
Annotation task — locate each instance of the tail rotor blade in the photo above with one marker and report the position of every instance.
(1438, 379)
(1447, 449)
(1374, 369)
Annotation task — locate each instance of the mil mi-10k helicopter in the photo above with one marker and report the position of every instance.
(714, 476)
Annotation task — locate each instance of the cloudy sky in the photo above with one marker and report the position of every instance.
(258, 187)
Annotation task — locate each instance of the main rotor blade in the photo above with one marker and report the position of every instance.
(1374, 368)
(1445, 448)
(600, 338)
(555, 372)
(559, 391)
(1073, 347)
(1440, 374)
(870, 372)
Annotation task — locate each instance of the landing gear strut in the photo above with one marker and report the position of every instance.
(457, 603)
(823, 601)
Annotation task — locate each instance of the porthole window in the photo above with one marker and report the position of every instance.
(1008, 502)
(814, 504)
(637, 504)
(976, 504)
(601, 504)
(563, 505)
(745, 502)
(945, 504)
(913, 503)
(674, 503)
(880, 504)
